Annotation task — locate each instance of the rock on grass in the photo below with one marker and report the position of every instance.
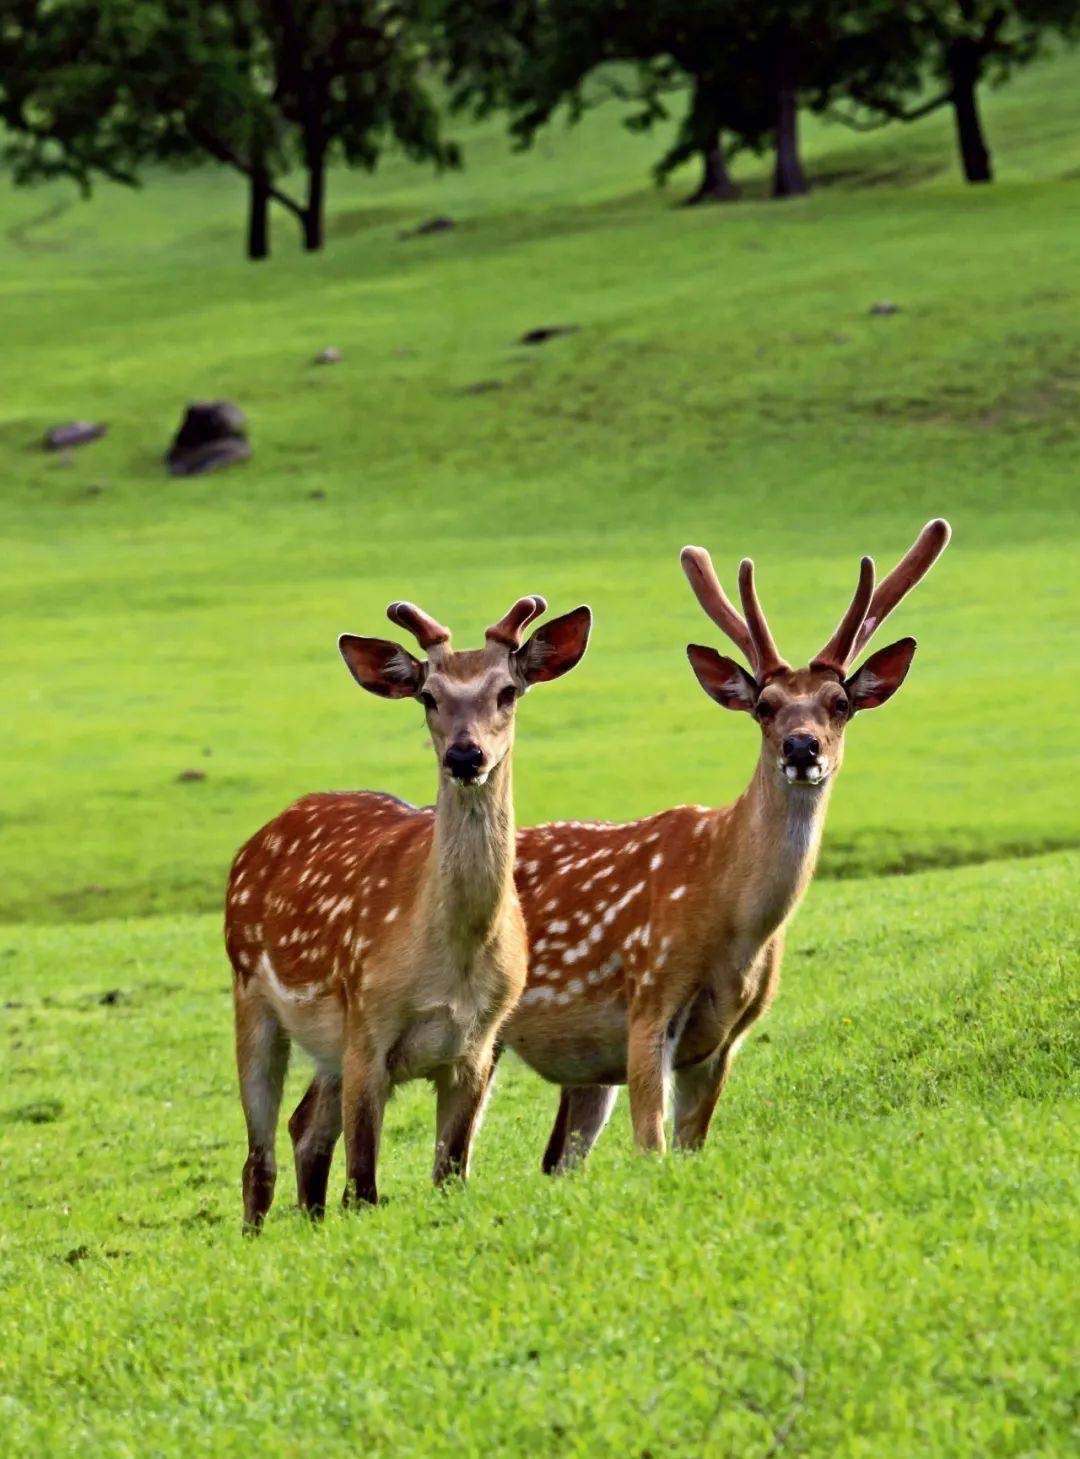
(73, 433)
(212, 434)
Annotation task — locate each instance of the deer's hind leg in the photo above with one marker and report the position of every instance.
(462, 1093)
(365, 1089)
(584, 1110)
(315, 1126)
(697, 1091)
(262, 1060)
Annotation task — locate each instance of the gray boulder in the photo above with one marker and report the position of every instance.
(212, 434)
(73, 433)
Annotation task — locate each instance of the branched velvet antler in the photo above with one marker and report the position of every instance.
(751, 633)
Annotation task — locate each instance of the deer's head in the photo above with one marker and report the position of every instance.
(469, 697)
(803, 713)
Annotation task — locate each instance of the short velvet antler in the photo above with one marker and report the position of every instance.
(427, 631)
(510, 627)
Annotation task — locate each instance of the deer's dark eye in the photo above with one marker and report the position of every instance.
(507, 696)
(764, 710)
(839, 707)
(428, 700)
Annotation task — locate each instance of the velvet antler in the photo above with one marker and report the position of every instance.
(912, 567)
(701, 575)
(840, 649)
(427, 631)
(510, 627)
(767, 660)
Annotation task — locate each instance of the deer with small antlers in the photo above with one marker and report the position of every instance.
(388, 941)
(654, 946)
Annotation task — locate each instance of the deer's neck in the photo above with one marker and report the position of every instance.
(778, 829)
(472, 857)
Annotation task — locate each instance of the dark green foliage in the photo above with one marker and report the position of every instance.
(739, 73)
(258, 85)
(951, 47)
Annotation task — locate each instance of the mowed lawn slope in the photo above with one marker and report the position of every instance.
(870, 1250)
(870, 1258)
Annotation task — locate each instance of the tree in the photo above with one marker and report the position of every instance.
(741, 72)
(955, 45)
(105, 87)
(533, 57)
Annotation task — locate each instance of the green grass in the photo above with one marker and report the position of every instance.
(727, 386)
(879, 1218)
(873, 1245)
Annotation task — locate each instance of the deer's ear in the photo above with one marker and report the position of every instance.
(381, 667)
(555, 648)
(882, 674)
(722, 678)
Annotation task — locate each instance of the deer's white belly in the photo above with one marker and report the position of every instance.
(311, 1017)
(582, 1044)
(454, 1020)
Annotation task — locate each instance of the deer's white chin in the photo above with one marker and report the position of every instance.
(810, 777)
(464, 786)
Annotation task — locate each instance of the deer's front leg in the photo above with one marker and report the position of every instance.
(645, 1079)
(364, 1091)
(462, 1093)
(698, 1089)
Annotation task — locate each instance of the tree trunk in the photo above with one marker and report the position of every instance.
(789, 180)
(716, 185)
(312, 220)
(258, 232)
(964, 67)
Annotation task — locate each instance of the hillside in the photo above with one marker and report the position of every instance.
(727, 385)
(870, 1258)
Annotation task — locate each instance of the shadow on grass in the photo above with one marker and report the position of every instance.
(842, 860)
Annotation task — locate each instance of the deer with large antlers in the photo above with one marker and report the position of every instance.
(388, 941)
(654, 946)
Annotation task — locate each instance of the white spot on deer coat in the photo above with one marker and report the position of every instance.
(538, 995)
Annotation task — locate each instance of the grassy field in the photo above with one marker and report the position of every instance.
(870, 1257)
(871, 1246)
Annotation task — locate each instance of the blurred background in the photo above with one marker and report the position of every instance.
(865, 320)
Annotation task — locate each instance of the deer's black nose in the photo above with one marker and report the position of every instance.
(801, 750)
(464, 760)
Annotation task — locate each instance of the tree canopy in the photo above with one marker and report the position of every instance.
(740, 73)
(950, 47)
(275, 89)
(104, 87)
